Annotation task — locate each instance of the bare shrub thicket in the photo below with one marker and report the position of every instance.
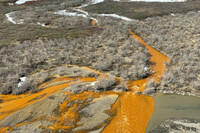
(178, 37)
(105, 83)
(111, 50)
(44, 14)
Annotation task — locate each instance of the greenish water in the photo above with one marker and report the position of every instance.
(173, 106)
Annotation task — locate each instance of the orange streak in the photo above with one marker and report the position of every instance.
(14, 103)
(134, 111)
(156, 57)
(133, 114)
(68, 115)
(93, 22)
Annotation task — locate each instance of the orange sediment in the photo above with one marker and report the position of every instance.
(68, 115)
(133, 111)
(12, 103)
(9, 107)
(133, 114)
(93, 22)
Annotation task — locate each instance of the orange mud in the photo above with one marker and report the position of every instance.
(12, 103)
(158, 69)
(132, 111)
(67, 115)
(133, 114)
(156, 57)
(93, 22)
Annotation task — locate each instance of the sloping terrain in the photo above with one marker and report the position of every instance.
(64, 69)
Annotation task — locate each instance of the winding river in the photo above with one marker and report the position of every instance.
(133, 111)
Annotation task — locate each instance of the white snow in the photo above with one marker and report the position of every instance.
(159, 0)
(64, 12)
(92, 3)
(10, 18)
(146, 68)
(86, 15)
(10, 4)
(43, 25)
(8, 15)
(81, 11)
(115, 16)
(22, 79)
(92, 84)
(94, 19)
(22, 1)
(97, 1)
(172, 14)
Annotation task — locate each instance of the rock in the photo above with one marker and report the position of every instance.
(178, 126)
(44, 107)
(149, 91)
(94, 114)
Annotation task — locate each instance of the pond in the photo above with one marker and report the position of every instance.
(173, 106)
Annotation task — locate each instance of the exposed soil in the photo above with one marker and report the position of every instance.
(93, 79)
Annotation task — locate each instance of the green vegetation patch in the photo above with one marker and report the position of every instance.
(11, 33)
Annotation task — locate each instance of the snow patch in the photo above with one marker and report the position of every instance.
(94, 19)
(66, 13)
(22, 79)
(8, 15)
(92, 2)
(146, 68)
(22, 1)
(10, 4)
(97, 1)
(158, 0)
(81, 11)
(92, 84)
(43, 25)
(115, 16)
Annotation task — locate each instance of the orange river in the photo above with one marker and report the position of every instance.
(131, 111)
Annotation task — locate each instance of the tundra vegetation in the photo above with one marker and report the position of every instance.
(109, 49)
(177, 37)
(42, 45)
(142, 10)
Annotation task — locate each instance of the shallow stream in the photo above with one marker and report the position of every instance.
(173, 106)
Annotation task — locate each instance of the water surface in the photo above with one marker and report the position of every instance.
(173, 106)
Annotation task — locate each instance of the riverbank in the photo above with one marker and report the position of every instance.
(94, 80)
(171, 108)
